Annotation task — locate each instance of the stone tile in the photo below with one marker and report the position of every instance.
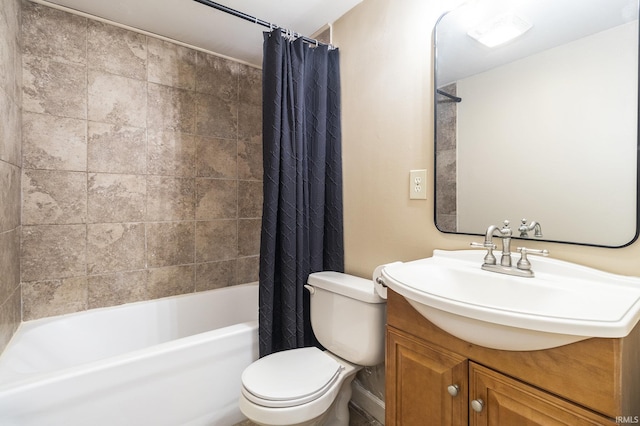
(170, 281)
(10, 174)
(10, 316)
(248, 269)
(9, 263)
(216, 240)
(250, 122)
(117, 100)
(446, 199)
(116, 198)
(216, 199)
(54, 197)
(170, 243)
(116, 149)
(116, 50)
(10, 196)
(249, 237)
(216, 275)
(10, 131)
(115, 247)
(249, 199)
(171, 109)
(446, 121)
(250, 160)
(446, 161)
(11, 15)
(170, 198)
(171, 153)
(51, 142)
(250, 85)
(8, 74)
(53, 297)
(10, 65)
(53, 34)
(216, 158)
(54, 88)
(446, 191)
(171, 64)
(53, 251)
(216, 116)
(131, 177)
(217, 76)
(117, 289)
(250, 104)
(446, 222)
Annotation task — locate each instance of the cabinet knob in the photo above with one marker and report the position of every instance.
(477, 405)
(453, 390)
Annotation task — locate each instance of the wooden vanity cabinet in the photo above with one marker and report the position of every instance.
(429, 385)
(434, 378)
(509, 402)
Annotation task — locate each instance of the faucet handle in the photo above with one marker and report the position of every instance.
(483, 245)
(524, 263)
(489, 258)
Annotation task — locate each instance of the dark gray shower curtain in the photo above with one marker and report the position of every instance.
(302, 223)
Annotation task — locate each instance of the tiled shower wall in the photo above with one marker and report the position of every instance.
(446, 161)
(10, 161)
(142, 166)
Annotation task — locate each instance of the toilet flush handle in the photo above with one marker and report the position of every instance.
(312, 289)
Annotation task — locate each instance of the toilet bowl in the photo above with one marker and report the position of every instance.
(298, 399)
(308, 386)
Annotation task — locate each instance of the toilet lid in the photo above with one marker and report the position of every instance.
(289, 378)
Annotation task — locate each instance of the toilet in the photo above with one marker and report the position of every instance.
(308, 386)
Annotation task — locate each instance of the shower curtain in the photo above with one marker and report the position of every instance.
(302, 223)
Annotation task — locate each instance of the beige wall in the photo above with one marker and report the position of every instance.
(142, 165)
(388, 129)
(10, 161)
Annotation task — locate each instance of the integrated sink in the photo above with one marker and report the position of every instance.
(564, 303)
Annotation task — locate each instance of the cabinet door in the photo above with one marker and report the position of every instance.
(506, 401)
(425, 385)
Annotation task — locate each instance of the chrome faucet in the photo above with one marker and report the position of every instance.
(505, 234)
(523, 267)
(533, 226)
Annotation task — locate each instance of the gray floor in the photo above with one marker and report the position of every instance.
(357, 418)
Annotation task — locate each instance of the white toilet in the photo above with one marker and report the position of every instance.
(308, 386)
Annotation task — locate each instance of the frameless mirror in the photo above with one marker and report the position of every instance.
(543, 126)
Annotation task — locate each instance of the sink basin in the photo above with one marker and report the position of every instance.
(564, 303)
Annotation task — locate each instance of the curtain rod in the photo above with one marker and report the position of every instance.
(452, 97)
(255, 20)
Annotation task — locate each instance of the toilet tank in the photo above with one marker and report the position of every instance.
(348, 317)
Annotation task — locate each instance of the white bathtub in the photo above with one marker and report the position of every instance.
(172, 361)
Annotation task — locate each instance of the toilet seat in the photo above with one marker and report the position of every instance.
(290, 378)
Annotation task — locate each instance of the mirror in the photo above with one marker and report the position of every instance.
(542, 127)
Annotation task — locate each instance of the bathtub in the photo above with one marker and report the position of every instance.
(172, 361)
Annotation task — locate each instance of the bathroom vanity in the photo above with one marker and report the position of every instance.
(434, 378)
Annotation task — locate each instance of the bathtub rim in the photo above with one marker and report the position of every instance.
(21, 385)
(32, 380)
